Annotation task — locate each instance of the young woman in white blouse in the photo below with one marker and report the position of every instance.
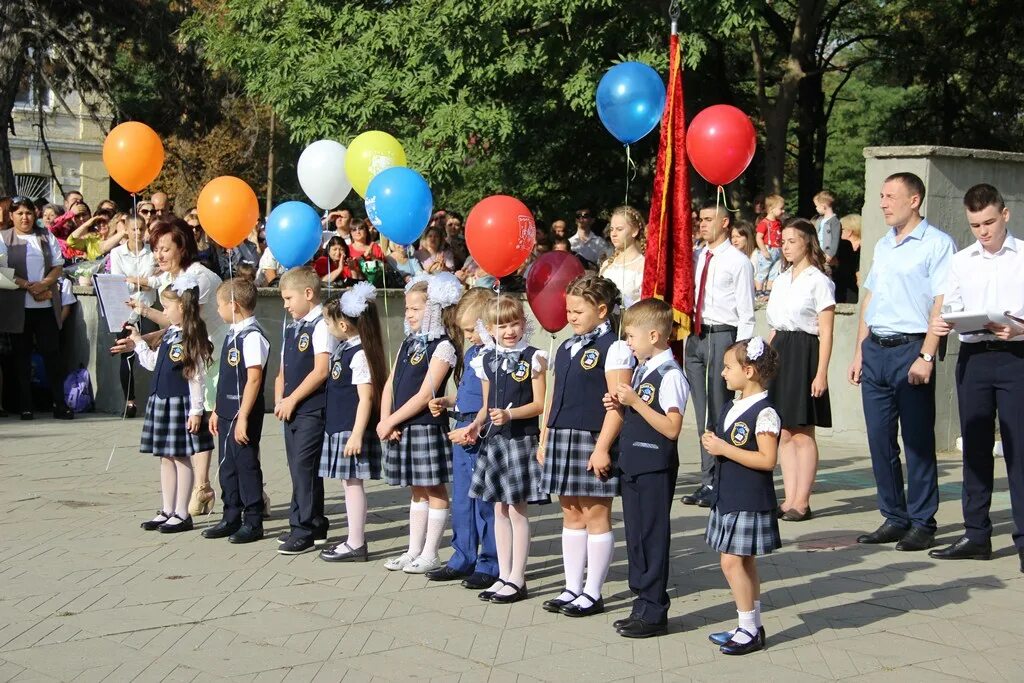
(625, 267)
(801, 313)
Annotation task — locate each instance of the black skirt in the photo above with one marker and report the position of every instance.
(790, 391)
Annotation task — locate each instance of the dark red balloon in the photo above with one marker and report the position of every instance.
(545, 287)
(720, 143)
(500, 234)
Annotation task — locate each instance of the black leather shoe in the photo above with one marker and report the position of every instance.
(596, 607)
(791, 515)
(343, 552)
(723, 637)
(556, 605)
(887, 533)
(183, 525)
(757, 642)
(488, 594)
(695, 497)
(638, 628)
(154, 524)
(246, 534)
(916, 539)
(222, 529)
(520, 594)
(963, 549)
(131, 410)
(478, 580)
(446, 573)
(296, 546)
(619, 623)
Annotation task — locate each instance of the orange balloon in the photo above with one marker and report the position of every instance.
(133, 155)
(228, 210)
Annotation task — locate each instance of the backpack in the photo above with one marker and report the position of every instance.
(78, 390)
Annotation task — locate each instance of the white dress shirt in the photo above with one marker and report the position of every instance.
(981, 282)
(135, 264)
(255, 347)
(794, 304)
(35, 263)
(675, 392)
(729, 290)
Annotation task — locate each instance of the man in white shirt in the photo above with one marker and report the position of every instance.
(723, 313)
(587, 245)
(988, 277)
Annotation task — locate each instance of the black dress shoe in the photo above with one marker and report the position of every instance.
(723, 637)
(154, 524)
(963, 549)
(343, 552)
(695, 497)
(296, 546)
(246, 534)
(595, 607)
(757, 642)
(619, 623)
(446, 573)
(63, 414)
(916, 539)
(131, 410)
(887, 533)
(638, 628)
(222, 529)
(791, 515)
(520, 594)
(478, 580)
(488, 594)
(183, 525)
(556, 605)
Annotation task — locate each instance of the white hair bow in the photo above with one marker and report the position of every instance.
(184, 283)
(755, 347)
(355, 300)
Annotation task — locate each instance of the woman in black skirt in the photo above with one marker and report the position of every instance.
(801, 313)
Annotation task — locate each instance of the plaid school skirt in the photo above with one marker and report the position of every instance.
(421, 457)
(743, 533)
(565, 465)
(335, 465)
(507, 471)
(165, 433)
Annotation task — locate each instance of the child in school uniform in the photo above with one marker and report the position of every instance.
(507, 473)
(176, 426)
(351, 450)
(237, 418)
(474, 559)
(653, 406)
(417, 451)
(743, 523)
(300, 398)
(578, 448)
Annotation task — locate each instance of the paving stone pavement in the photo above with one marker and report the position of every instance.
(85, 595)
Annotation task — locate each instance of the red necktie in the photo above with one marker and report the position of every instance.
(698, 313)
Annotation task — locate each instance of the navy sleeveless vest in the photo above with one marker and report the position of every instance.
(514, 385)
(298, 363)
(234, 374)
(737, 487)
(410, 371)
(642, 448)
(169, 376)
(342, 395)
(580, 386)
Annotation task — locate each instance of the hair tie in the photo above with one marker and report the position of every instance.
(355, 300)
(755, 348)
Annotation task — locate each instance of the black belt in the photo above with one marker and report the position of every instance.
(461, 417)
(709, 329)
(1013, 347)
(896, 339)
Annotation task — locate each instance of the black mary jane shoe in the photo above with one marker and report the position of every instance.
(596, 607)
(488, 594)
(757, 642)
(446, 573)
(154, 524)
(723, 637)
(520, 594)
(184, 525)
(555, 605)
(222, 529)
(638, 628)
(343, 552)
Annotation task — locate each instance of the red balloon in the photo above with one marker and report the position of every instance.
(720, 143)
(500, 234)
(545, 287)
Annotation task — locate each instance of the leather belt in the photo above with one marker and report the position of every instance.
(892, 340)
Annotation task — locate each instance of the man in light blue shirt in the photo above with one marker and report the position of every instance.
(894, 363)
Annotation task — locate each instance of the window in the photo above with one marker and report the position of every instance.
(27, 90)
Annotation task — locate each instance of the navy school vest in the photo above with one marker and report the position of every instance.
(737, 487)
(298, 363)
(410, 371)
(234, 374)
(342, 395)
(580, 386)
(642, 448)
(169, 374)
(514, 385)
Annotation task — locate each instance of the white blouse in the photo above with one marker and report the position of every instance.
(794, 304)
(768, 421)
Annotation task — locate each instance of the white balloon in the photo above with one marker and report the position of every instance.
(322, 174)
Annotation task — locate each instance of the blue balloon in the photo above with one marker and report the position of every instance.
(399, 204)
(293, 233)
(630, 100)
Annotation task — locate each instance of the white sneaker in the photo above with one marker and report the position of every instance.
(421, 565)
(400, 562)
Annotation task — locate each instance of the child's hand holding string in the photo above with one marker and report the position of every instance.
(626, 396)
(437, 406)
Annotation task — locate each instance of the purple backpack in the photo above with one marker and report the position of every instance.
(78, 390)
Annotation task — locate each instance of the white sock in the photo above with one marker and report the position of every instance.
(355, 513)
(574, 560)
(417, 526)
(757, 614)
(436, 519)
(747, 623)
(503, 544)
(183, 488)
(520, 543)
(600, 548)
(168, 479)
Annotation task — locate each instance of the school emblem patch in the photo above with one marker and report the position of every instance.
(739, 434)
(522, 371)
(336, 370)
(234, 357)
(303, 341)
(417, 357)
(176, 352)
(646, 393)
(589, 359)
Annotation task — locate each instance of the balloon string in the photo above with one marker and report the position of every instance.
(630, 171)
(387, 324)
(131, 366)
(720, 195)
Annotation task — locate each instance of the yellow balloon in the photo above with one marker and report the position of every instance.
(369, 154)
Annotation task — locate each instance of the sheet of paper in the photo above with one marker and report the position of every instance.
(113, 294)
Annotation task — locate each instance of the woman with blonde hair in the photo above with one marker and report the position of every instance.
(625, 267)
(846, 263)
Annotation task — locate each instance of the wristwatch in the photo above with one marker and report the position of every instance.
(927, 357)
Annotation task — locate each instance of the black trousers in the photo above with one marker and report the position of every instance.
(303, 441)
(129, 361)
(241, 478)
(40, 334)
(990, 383)
(646, 506)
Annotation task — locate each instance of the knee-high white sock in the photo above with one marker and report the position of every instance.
(184, 477)
(520, 543)
(574, 560)
(355, 512)
(436, 520)
(600, 548)
(417, 526)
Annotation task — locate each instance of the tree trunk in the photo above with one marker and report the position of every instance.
(12, 66)
(810, 117)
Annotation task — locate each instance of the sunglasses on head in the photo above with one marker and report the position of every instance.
(146, 212)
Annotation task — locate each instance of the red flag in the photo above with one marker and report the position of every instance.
(668, 268)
